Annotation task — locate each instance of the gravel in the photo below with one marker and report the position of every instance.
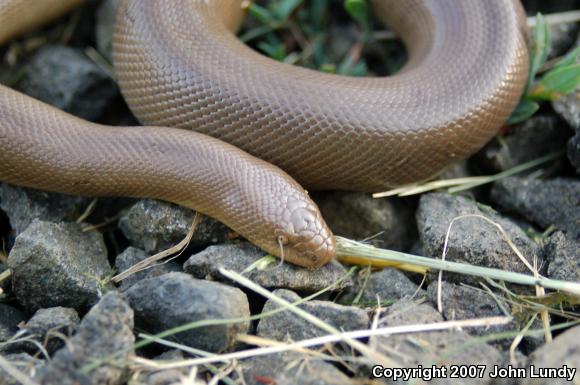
(563, 255)
(130, 257)
(105, 331)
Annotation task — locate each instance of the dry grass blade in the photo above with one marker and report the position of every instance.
(461, 184)
(144, 264)
(279, 347)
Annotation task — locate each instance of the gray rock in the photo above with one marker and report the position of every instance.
(563, 256)
(106, 330)
(106, 15)
(285, 325)
(359, 216)
(175, 299)
(65, 78)
(57, 264)
(536, 137)
(464, 302)
(23, 205)
(574, 151)
(564, 350)
(568, 107)
(155, 226)
(388, 286)
(130, 257)
(25, 363)
(291, 368)
(10, 318)
(472, 240)
(47, 327)
(452, 347)
(238, 257)
(544, 202)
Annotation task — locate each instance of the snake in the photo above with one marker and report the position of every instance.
(242, 138)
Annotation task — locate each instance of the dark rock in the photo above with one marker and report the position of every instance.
(544, 202)
(238, 257)
(536, 137)
(67, 79)
(175, 299)
(564, 350)
(10, 318)
(155, 226)
(57, 264)
(472, 240)
(23, 205)
(563, 256)
(25, 363)
(291, 368)
(106, 330)
(106, 15)
(359, 216)
(131, 256)
(285, 325)
(6, 282)
(388, 286)
(464, 302)
(47, 327)
(449, 347)
(574, 151)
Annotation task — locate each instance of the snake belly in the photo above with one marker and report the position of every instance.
(180, 65)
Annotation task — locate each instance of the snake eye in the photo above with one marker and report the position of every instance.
(283, 240)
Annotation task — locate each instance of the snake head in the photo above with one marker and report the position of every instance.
(304, 237)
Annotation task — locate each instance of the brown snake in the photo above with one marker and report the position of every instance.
(180, 65)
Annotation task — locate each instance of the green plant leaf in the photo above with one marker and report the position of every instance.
(284, 8)
(557, 83)
(569, 59)
(262, 14)
(358, 10)
(275, 51)
(540, 48)
(523, 111)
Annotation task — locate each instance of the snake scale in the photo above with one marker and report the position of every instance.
(222, 122)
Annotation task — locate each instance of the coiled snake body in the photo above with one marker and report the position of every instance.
(180, 65)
